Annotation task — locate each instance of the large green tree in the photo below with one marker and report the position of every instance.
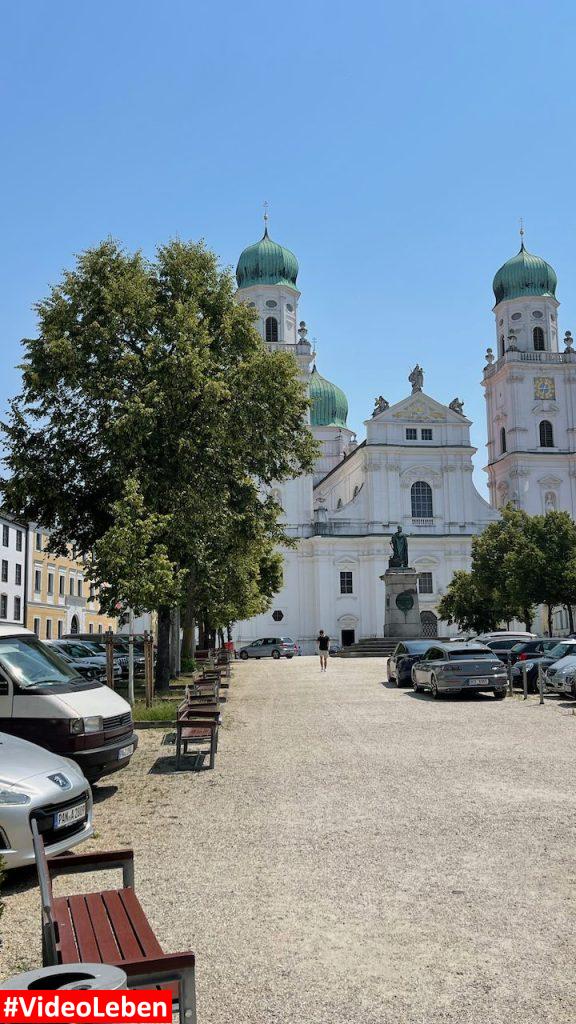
(149, 403)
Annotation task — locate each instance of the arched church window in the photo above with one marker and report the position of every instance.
(502, 440)
(538, 339)
(546, 434)
(421, 498)
(271, 329)
(501, 345)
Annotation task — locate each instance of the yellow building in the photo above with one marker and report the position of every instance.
(59, 599)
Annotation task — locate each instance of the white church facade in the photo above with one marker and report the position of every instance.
(414, 467)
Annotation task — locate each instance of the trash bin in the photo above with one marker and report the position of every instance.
(229, 645)
(69, 976)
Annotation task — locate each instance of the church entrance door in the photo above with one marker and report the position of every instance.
(429, 624)
(348, 637)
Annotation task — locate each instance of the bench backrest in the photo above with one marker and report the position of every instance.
(49, 939)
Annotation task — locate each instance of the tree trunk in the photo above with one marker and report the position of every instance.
(163, 650)
(549, 607)
(570, 617)
(189, 634)
(527, 620)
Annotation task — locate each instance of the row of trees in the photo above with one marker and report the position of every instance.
(150, 422)
(519, 562)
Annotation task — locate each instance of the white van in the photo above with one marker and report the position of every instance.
(45, 701)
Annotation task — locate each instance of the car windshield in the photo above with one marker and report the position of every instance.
(77, 650)
(472, 655)
(523, 646)
(561, 650)
(416, 647)
(34, 665)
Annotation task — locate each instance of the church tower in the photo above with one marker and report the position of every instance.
(266, 275)
(530, 389)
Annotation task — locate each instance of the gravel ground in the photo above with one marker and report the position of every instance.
(360, 855)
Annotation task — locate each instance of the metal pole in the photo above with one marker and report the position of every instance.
(131, 657)
(509, 671)
(525, 680)
(110, 659)
(541, 683)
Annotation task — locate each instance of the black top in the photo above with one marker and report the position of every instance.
(323, 642)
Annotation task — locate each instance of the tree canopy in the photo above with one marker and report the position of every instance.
(150, 422)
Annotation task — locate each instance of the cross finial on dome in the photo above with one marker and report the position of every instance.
(521, 232)
(266, 218)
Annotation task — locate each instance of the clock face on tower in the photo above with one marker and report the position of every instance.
(544, 387)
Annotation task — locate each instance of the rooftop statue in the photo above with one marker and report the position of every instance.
(457, 406)
(416, 378)
(380, 405)
(399, 545)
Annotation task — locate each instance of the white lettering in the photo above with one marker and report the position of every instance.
(27, 1008)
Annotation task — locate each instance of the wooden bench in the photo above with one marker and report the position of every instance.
(198, 725)
(109, 927)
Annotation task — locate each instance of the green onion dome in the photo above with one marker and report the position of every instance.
(266, 262)
(329, 405)
(524, 275)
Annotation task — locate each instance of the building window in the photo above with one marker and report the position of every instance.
(38, 540)
(100, 627)
(91, 627)
(425, 583)
(60, 628)
(37, 627)
(4, 571)
(48, 629)
(546, 434)
(37, 581)
(3, 606)
(17, 609)
(5, 536)
(426, 433)
(502, 440)
(421, 498)
(346, 583)
(79, 588)
(71, 587)
(17, 574)
(411, 433)
(271, 329)
(538, 339)
(62, 586)
(50, 583)
(18, 540)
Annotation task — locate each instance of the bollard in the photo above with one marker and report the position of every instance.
(69, 976)
(525, 680)
(509, 671)
(110, 659)
(541, 683)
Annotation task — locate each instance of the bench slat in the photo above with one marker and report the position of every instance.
(85, 940)
(127, 941)
(108, 950)
(140, 923)
(66, 940)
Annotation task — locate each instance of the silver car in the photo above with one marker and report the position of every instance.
(560, 677)
(270, 647)
(453, 668)
(35, 783)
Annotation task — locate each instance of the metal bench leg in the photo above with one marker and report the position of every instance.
(178, 746)
(187, 997)
(212, 749)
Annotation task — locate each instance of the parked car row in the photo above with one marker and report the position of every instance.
(61, 728)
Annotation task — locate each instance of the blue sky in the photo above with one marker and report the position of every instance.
(397, 144)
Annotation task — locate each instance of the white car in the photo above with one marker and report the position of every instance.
(560, 677)
(35, 783)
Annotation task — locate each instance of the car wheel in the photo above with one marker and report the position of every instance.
(289, 656)
(499, 694)
(244, 655)
(275, 655)
(434, 688)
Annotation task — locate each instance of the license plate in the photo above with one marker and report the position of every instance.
(481, 681)
(125, 751)
(70, 815)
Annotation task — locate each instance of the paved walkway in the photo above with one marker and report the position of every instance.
(359, 856)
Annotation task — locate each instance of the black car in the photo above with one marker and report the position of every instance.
(405, 655)
(554, 650)
(530, 649)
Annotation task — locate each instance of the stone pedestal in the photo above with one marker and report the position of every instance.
(402, 615)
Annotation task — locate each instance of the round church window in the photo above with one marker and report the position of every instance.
(516, 316)
(278, 616)
(289, 307)
(271, 303)
(537, 314)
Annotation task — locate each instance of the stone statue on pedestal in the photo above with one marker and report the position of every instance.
(399, 545)
(416, 378)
